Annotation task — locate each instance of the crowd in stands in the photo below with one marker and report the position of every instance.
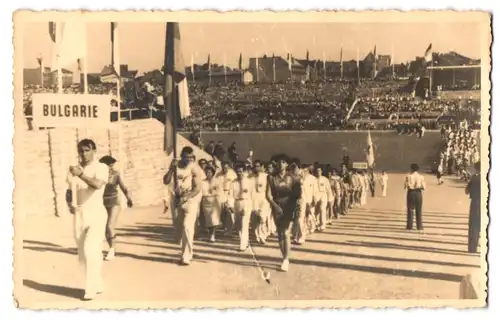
(320, 105)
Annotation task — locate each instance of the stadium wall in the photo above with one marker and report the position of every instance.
(393, 152)
(42, 159)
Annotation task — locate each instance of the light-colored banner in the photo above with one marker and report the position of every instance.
(360, 165)
(71, 110)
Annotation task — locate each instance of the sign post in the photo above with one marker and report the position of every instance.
(71, 111)
(68, 110)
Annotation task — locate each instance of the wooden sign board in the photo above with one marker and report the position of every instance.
(71, 110)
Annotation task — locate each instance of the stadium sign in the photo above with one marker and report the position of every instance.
(71, 110)
(360, 165)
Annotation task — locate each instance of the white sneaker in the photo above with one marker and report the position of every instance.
(212, 238)
(285, 265)
(111, 254)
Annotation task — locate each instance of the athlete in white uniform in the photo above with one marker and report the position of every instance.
(187, 198)
(261, 207)
(323, 197)
(88, 179)
(240, 203)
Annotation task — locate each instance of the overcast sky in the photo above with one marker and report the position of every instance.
(142, 44)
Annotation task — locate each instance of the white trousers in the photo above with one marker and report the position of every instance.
(188, 213)
(263, 209)
(384, 190)
(89, 233)
(321, 206)
(242, 213)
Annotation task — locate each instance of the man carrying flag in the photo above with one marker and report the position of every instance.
(185, 175)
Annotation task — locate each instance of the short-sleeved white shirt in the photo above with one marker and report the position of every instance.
(86, 196)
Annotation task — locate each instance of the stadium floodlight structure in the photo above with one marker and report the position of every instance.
(433, 68)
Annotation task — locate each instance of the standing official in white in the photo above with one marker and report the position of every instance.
(90, 215)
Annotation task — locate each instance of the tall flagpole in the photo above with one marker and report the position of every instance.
(170, 89)
(341, 63)
(274, 69)
(357, 59)
(192, 67)
(209, 71)
(324, 65)
(225, 68)
(58, 46)
(115, 62)
(41, 71)
(393, 62)
(257, 66)
(85, 65)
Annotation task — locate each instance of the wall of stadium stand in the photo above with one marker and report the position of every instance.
(40, 174)
(393, 152)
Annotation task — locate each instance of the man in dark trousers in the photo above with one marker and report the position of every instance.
(347, 187)
(220, 151)
(371, 176)
(473, 189)
(414, 185)
(210, 148)
(232, 153)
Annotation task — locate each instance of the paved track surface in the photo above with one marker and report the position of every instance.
(365, 255)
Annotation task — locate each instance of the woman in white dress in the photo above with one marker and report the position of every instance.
(210, 204)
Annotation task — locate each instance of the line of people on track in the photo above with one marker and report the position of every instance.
(460, 151)
(281, 197)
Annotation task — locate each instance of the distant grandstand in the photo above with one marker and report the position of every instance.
(452, 71)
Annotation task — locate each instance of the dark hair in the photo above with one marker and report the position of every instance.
(239, 165)
(87, 143)
(414, 167)
(107, 160)
(281, 157)
(295, 160)
(257, 161)
(210, 168)
(187, 150)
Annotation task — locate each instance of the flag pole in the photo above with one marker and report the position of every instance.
(393, 63)
(171, 115)
(85, 65)
(357, 59)
(59, 69)
(41, 71)
(169, 95)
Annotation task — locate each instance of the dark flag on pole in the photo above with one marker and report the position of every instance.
(428, 53)
(175, 96)
(52, 31)
(115, 65)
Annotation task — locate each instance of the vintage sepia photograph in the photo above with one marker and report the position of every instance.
(250, 159)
